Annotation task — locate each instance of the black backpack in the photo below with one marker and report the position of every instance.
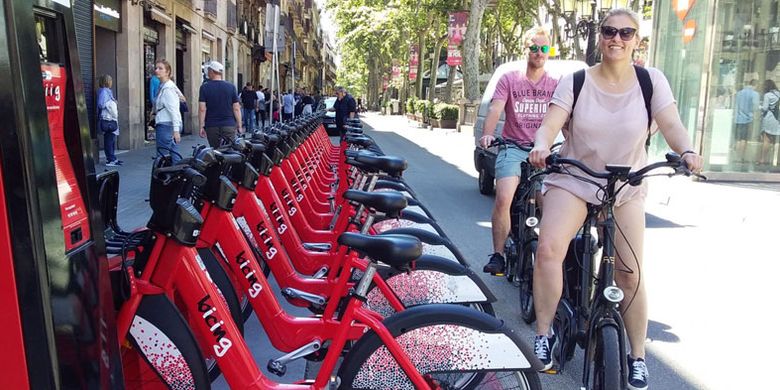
(644, 82)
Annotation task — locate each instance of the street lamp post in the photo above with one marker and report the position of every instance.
(591, 14)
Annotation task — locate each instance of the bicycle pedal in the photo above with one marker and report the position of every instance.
(552, 371)
(498, 274)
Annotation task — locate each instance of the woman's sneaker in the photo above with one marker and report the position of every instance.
(114, 163)
(637, 376)
(543, 349)
(495, 265)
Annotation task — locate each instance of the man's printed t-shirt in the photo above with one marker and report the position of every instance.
(526, 103)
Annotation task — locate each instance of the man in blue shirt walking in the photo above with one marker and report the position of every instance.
(219, 109)
(747, 103)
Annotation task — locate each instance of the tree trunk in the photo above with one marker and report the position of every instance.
(450, 80)
(418, 86)
(471, 51)
(435, 68)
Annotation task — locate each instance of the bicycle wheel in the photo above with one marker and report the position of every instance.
(607, 360)
(161, 351)
(525, 276)
(225, 286)
(447, 344)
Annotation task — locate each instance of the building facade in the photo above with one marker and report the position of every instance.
(130, 35)
(721, 58)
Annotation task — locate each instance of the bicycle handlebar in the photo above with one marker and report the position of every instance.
(168, 174)
(623, 172)
(499, 141)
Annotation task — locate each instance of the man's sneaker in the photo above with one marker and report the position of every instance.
(118, 162)
(637, 375)
(543, 349)
(113, 163)
(495, 265)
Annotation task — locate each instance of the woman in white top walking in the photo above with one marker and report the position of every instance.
(167, 118)
(770, 128)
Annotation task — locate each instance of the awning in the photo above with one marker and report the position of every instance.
(160, 16)
(188, 28)
(209, 35)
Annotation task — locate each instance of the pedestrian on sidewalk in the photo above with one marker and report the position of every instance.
(261, 108)
(770, 127)
(288, 106)
(249, 105)
(523, 96)
(168, 122)
(219, 110)
(308, 103)
(747, 103)
(345, 107)
(108, 121)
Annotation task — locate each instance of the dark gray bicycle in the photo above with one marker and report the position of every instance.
(588, 314)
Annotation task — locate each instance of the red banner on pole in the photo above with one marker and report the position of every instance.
(457, 27)
(414, 61)
(454, 57)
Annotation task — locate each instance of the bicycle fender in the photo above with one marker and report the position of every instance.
(437, 338)
(433, 244)
(433, 280)
(393, 223)
(424, 236)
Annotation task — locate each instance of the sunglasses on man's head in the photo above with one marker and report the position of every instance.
(626, 33)
(535, 48)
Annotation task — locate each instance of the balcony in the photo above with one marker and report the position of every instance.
(210, 8)
(232, 17)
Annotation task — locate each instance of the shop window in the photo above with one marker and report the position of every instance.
(742, 131)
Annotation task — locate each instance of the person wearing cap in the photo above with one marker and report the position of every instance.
(219, 108)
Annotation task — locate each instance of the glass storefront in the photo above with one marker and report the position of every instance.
(721, 59)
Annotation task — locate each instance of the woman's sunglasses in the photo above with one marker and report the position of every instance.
(535, 48)
(626, 33)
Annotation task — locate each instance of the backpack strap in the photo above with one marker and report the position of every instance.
(647, 93)
(579, 80)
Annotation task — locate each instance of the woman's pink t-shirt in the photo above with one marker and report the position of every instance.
(526, 103)
(606, 128)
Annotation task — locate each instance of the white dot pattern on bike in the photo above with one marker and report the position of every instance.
(440, 348)
(381, 227)
(424, 287)
(160, 351)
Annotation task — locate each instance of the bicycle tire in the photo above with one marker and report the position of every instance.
(607, 359)
(525, 276)
(221, 279)
(161, 349)
(416, 324)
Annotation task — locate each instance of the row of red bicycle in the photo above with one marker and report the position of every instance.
(394, 304)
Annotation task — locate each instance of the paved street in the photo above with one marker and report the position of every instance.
(710, 256)
(710, 259)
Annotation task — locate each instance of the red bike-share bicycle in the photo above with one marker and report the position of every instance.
(433, 346)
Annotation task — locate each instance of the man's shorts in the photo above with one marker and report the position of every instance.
(742, 131)
(508, 161)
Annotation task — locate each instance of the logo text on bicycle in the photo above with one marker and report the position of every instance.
(222, 343)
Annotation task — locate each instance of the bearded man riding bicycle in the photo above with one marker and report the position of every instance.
(524, 98)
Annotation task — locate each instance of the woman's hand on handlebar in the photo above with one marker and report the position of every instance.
(693, 161)
(538, 156)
